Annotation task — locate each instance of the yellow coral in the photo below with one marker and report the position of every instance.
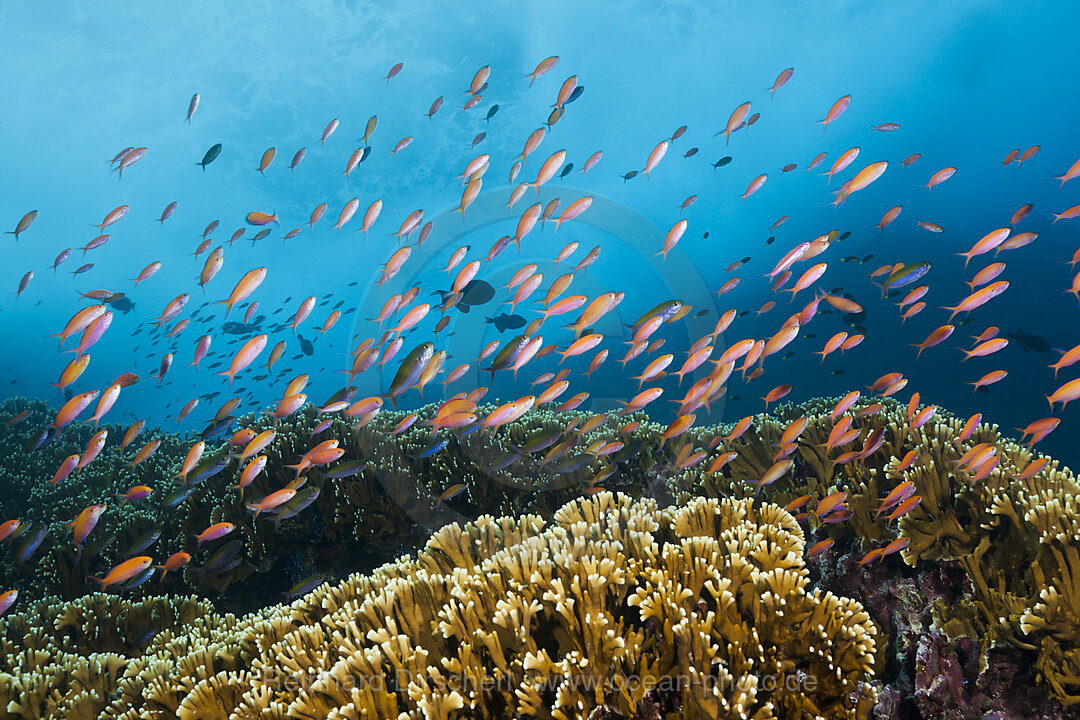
(613, 601)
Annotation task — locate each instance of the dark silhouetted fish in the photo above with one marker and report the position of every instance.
(29, 542)
(477, 292)
(722, 162)
(491, 112)
(142, 542)
(1030, 343)
(218, 427)
(566, 170)
(210, 156)
(307, 585)
(306, 346)
(123, 304)
(575, 95)
(38, 440)
(506, 322)
(238, 328)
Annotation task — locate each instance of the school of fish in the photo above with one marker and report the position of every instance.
(403, 326)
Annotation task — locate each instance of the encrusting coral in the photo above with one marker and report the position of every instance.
(702, 609)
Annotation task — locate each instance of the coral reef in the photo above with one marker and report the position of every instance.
(984, 565)
(1016, 539)
(703, 610)
(379, 501)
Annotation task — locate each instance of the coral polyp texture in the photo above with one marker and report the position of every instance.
(615, 604)
(961, 544)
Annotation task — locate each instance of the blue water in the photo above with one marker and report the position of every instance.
(967, 81)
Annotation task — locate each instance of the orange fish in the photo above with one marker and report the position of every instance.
(862, 179)
(175, 562)
(889, 217)
(673, 237)
(774, 473)
(989, 378)
(267, 158)
(738, 116)
(261, 218)
(1067, 214)
(775, 394)
(842, 162)
(245, 356)
(271, 501)
(110, 219)
(940, 176)
(986, 348)
(979, 297)
(72, 372)
(754, 186)
(987, 243)
(781, 81)
(835, 111)
(545, 66)
(548, 170)
(1027, 154)
(125, 571)
(1072, 172)
(655, 157)
(215, 531)
(74, 407)
(1064, 394)
(247, 285)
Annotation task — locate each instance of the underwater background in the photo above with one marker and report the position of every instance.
(426, 107)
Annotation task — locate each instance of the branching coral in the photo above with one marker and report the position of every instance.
(615, 603)
(1017, 539)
